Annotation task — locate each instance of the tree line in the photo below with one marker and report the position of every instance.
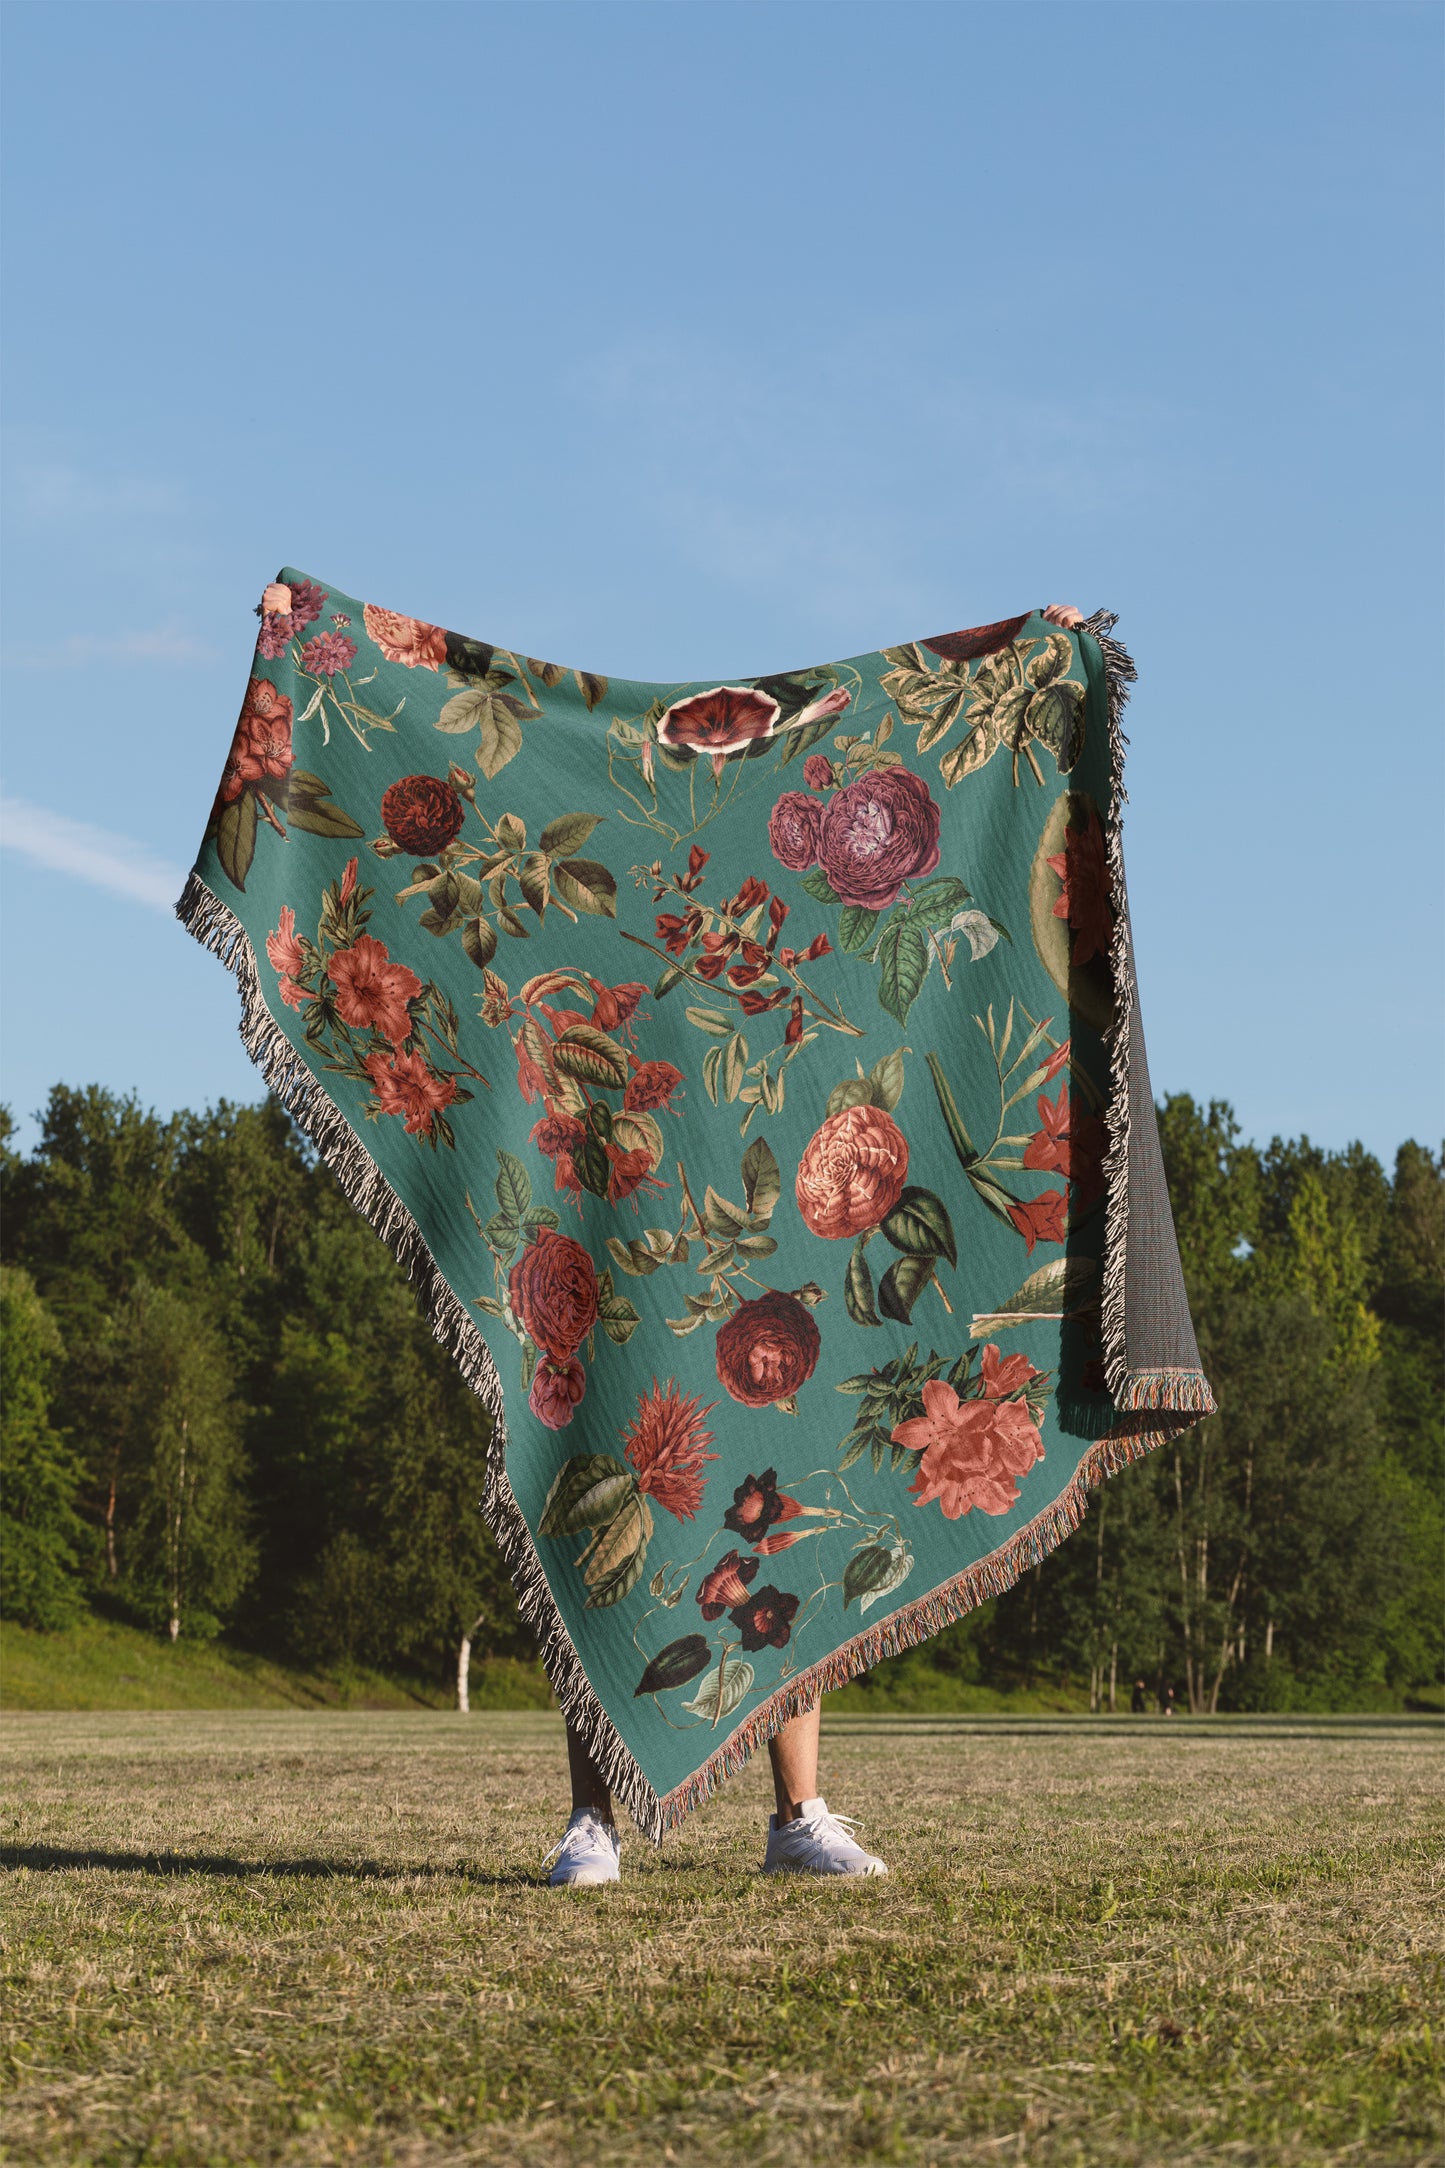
(223, 1412)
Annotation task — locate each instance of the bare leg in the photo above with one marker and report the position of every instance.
(588, 1789)
(794, 1755)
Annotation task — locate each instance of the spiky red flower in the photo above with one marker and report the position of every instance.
(666, 1443)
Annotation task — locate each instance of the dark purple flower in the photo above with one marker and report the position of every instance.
(818, 772)
(277, 627)
(307, 603)
(765, 1619)
(876, 834)
(793, 828)
(328, 653)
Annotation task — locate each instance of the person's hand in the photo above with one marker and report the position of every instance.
(1063, 613)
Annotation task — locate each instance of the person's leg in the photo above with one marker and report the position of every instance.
(589, 1791)
(794, 1755)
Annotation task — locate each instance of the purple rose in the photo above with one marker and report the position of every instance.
(793, 830)
(876, 834)
(818, 772)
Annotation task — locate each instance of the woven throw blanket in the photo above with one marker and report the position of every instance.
(750, 1076)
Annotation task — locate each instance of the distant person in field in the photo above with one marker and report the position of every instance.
(803, 1836)
(1166, 1701)
(1140, 1701)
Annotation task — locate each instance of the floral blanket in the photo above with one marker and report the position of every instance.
(751, 1078)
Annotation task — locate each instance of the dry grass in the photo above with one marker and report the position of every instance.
(311, 1939)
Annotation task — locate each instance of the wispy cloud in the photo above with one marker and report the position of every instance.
(62, 845)
(168, 645)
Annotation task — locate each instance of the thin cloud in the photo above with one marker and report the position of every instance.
(62, 845)
(165, 644)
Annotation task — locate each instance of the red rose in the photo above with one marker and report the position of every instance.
(557, 1389)
(1041, 1219)
(793, 829)
(876, 834)
(767, 1349)
(554, 1293)
(261, 746)
(421, 814)
(408, 640)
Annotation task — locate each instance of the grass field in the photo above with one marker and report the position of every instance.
(318, 1938)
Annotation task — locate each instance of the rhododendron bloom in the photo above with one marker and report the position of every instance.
(372, 992)
(405, 1085)
(972, 1451)
(667, 1444)
(282, 946)
(261, 747)
(1006, 1374)
(1041, 1219)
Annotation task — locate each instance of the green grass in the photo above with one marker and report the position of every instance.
(101, 1665)
(319, 1939)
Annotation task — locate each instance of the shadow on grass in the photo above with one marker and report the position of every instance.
(50, 1858)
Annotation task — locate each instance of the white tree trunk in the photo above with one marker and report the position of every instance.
(464, 1666)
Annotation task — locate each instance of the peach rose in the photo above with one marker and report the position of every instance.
(852, 1173)
(408, 640)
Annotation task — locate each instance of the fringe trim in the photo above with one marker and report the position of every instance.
(217, 928)
(1125, 1443)
(1119, 676)
(1161, 1402)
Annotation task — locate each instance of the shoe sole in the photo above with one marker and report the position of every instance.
(819, 1874)
(585, 1880)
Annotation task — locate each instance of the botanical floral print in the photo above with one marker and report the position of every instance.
(549, 1295)
(261, 782)
(872, 843)
(923, 1242)
(731, 951)
(368, 1016)
(1064, 1143)
(1019, 695)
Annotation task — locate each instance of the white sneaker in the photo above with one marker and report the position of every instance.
(587, 1855)
(817, 1842)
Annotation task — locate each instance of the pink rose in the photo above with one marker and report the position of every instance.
(408, 640)
(793, 828)
(876, 834)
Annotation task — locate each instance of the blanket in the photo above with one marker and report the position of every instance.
(750, 1077)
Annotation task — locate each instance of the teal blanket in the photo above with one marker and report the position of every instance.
(750, 1076)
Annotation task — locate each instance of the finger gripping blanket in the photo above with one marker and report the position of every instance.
(750, 1077)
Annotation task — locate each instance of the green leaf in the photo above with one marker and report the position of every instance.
(903, 966)
(586, 1492)
(675, 1665)
(864, 1570)
(550, 674)
(616, 1564)
(902, 1558)
(502, 1234)
(818, 886)
(514, 1186)
(667, 980)
(618, 1319)
(762, 1182)
(958, 1136)
(854, 1091)
(479, 939)
(734, 1065)
(236, 838)
(937, 900)
(568, 833)
(901, 1286)
(594, 1168)
(509, 922)
(532, 880)
(464, 712)
(710, 1020)
(586, 886)
(886, 1078)
(853, 1447)
(755, 1246)
(721, 1218)
(858, 1287)
(856, 927)
(722, 1692)
(501, 732)
(632, 1257)
(309, 807)
(1047, 1292)
(589, 1055)
(712, 1062)
(920, 1226)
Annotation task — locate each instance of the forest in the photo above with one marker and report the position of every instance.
(223, 1414)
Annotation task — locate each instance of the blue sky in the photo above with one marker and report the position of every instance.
(684, 339)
